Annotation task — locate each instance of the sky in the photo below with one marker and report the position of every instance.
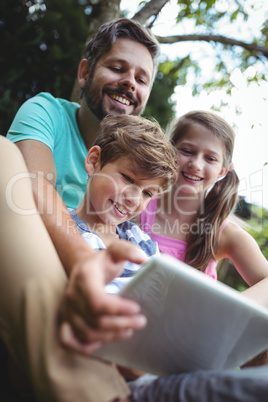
(251, 123)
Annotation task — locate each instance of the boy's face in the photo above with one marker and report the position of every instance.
(117, 193)
(121, 81)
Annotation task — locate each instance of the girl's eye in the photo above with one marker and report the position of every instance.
(147, 194)
(186, 151)
(211, 159)
(127, 178)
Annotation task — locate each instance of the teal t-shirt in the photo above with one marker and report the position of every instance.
(52, 121)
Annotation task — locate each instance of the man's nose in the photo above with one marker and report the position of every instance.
(128, 81)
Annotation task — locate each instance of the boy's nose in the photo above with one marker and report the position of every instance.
(133, 195)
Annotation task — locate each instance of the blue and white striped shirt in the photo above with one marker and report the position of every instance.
(128, 231)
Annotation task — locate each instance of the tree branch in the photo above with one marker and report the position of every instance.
(252, 47)
(153, 7)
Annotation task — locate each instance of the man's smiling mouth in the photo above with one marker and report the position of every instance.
(120, 99)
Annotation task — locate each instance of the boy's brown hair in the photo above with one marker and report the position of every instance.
(141, 141)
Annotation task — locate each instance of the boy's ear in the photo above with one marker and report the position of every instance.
(92, 159)
(83, 72)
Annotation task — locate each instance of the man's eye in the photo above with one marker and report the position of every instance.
(142, 80)
(116, 69)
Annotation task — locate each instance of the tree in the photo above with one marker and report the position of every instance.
(50, 36)
(39, 51)
(206, 16)
(255, 222)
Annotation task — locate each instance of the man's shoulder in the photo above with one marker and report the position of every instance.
(48, 100)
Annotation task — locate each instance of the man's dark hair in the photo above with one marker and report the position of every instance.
(109, 32)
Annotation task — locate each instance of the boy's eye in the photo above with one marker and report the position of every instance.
(127, 178)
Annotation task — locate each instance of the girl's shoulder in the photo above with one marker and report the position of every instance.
(233, 234)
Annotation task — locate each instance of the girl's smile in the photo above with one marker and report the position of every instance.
(200, 155)
(190, 177)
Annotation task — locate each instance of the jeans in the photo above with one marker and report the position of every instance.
(246, 385)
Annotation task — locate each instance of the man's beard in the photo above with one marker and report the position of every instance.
(93, 103)
(96, 105)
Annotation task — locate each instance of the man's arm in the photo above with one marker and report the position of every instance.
(93, 315)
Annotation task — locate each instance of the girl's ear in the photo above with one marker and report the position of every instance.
(83, 72)
(92, 159)
(223, 172)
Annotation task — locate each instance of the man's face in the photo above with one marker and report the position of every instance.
(121, 80)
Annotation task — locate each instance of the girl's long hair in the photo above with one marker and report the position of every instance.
(202, 242)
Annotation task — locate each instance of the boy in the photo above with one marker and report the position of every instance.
(54, 135)
(130, 162)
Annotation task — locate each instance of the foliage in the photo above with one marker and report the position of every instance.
(207, 20)
(41, 44)
(44, 52)
(255, 222)
(163, 88)
(258, 227)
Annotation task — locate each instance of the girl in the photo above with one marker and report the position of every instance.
(191, 221)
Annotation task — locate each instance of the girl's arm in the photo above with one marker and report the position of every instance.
(242, 249)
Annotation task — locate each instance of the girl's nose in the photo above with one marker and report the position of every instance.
(196, 163)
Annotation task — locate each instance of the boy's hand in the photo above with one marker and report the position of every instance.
(89, 315)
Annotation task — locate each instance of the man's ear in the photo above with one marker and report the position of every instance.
(83, 72)
(92, 159)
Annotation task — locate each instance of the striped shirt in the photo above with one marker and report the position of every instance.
(128, 231)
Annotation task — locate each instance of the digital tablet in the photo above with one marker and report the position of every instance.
(194, 322)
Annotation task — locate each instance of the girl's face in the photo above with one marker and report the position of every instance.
(200, 155)
(118, 194)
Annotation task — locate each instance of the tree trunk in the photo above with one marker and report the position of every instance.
(103, 11)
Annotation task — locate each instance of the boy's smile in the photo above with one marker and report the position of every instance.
(117, 193)
(122, 211)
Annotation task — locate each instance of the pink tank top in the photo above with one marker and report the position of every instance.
(174, 247)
